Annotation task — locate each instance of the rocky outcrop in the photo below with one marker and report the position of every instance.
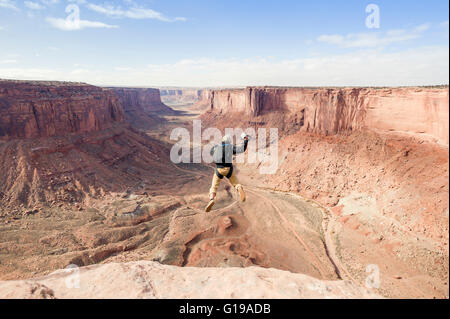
(184, 96)
(204, 101)
(141, 100)
(421, 112)
(72, 169)
(31, 109)
(64, 142)
(171, 92)
(145, 279)
(142, 107)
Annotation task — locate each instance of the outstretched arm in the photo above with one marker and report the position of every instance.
(241, 148)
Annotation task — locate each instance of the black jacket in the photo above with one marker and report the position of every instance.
(223, 153)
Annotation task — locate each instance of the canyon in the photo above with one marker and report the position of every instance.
(63, 142)
(185, 96)
(141, 106)
(375, 158)
(141, 99)
(86, 180)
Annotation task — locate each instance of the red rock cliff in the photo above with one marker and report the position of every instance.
(422, 112)
(145, 100)
(31, 109)
(180, 96)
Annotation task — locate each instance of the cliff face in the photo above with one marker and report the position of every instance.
(142, 106)
(171, 92)
(141, 100)
(205, 95)
(42, 163)
(182, 96)
(44, 109)
(422, 112)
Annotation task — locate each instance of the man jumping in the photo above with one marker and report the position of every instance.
(223, 158)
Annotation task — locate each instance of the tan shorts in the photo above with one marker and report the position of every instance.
(216, 180)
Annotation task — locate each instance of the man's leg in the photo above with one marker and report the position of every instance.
(212, 192)
(234, 181)
(214, 186)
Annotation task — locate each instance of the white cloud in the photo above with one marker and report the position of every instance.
(422, 66)
(78, 1)
(29, 74)
(80, 72)
(71, 25)
(373, 39)
(8, 61)
(33, 5)
(73, 21)
(133, 13)
(2, 28)
(374, 68)
(331, 38)
(49, 2)
(8, 4)
(423, 27)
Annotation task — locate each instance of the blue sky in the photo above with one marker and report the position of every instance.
(225, 43)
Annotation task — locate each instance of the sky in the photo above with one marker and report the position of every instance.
(223, 43)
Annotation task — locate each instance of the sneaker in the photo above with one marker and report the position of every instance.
(209, 206)
(241, 193)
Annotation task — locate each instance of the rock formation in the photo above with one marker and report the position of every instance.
(145, 279)
(421, 112)
(42, 109)
(184, 96)
(66, 142)
(142, 106)
(142, 99)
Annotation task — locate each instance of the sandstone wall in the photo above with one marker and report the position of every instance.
(422, 112)
(187, 93)
(41, 109)
(205, 95)
(141, 99)
(184, 95)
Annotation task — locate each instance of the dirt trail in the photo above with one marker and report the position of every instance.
(258, 193)
(292, 230)
(321, 263)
